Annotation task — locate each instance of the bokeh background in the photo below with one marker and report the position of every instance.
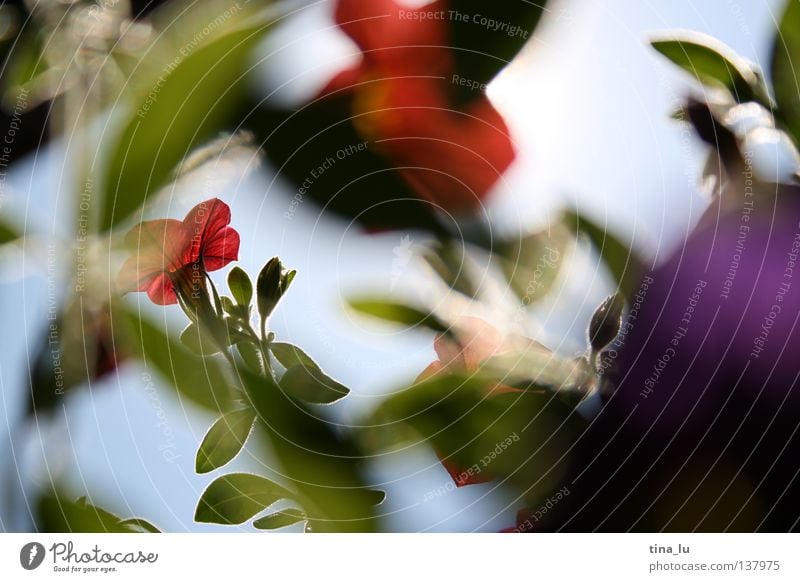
(588, 103)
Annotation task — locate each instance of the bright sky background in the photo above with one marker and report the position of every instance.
(588, 102)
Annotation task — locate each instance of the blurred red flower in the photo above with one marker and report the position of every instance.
(449, 154)
(173, 255)
(474, 342)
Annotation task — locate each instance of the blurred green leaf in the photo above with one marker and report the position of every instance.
(711, 63)
(303, 378)
(200, 380)
(523, 437)
(189, 103)
(786, 68)
(321, 463)
(7, 233)
(531, 264)
(280, 519)
(56, 514)
(626, 267)
(140, 525)
(199, 343)
(235, 498)
(240, 285)
(376, 496)
(398, 313)
(224, 439)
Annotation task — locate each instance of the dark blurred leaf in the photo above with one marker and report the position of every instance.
(361, 185)
(201, 380)
(279, 519)
(521, 437)
(240, 285)
(482, 49)
(376, 496)
(303, 378)
(224, 439)
(398, 313)
(76, 347)
(7, 233)
(198, 98)
(531, 264)
(623, 263)
(323, 465)
(235, 498)
(55, 514)
(711, 62)
(786, 68)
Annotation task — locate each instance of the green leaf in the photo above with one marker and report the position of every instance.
(321, 462)
(200, 380)
(268, 287)
(187, 105)
(290, 355)
(711, 62)
(376, 496)
(224, 439)
(198, 342)
(523, 438)
(7, 233)
(312, 385)
(448, 260)
(786, 69)
(56, 514)
(532, 263)
(625, 266)
(280, 519)
(240, 285)
(137, 524)
(398, 313)
(235, 498)
(303, 378)
(251, 354)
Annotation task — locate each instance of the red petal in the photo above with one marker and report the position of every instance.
(393, 40)
(161, 291)
(449, 157)
(204, 223)
(158, 245)
(221, 249)
(465, 475)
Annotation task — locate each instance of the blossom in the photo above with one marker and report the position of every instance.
(172, 256)
(401, 96)
(471, 343)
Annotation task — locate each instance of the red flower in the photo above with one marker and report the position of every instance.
(172, 255)
(402, 100)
